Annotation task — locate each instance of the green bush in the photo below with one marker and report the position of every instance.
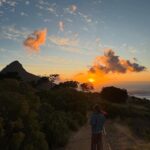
(113, 94)
(31, 120)
(56, 129)
(140, 127)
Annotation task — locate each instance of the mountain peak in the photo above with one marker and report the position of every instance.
(16, 66)
(16, 63)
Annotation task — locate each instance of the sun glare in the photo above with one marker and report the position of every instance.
(91, 80)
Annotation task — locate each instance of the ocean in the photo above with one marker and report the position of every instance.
(137, 89)
(147, 96)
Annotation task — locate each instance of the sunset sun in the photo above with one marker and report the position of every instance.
(91, 80)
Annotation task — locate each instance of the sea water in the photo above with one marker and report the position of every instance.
(146, 96)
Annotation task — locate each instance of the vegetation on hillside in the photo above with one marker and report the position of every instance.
(33, 119)
(114, 94)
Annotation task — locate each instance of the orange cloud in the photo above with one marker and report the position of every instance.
(111, 63)
(63, 41)
(36, 39)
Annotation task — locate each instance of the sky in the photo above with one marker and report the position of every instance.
(100, 41)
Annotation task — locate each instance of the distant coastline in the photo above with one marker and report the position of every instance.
(144, 93)
(146, 96)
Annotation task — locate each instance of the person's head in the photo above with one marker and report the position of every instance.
(97, 108)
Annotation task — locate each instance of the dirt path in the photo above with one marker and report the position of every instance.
(119, 138)
(82, 140)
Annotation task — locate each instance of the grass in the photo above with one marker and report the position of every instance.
(121, 137)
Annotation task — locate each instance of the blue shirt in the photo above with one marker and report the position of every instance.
(97, 122)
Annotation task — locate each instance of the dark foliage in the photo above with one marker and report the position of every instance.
(32, 119)
(139, 101)
(53, 77)
(67, 84)
(35, 121)
(136, 117)
(43, 80)
(10, 75)
(114, 94)
(86, 87)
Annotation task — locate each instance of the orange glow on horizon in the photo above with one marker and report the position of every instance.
(91, 80)
(96, 79)
(99, 78)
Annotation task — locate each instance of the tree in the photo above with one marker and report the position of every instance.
(42, 80)
(53, 77)
(114, 94)
(87, 87)
(45, 83)
(67, 84)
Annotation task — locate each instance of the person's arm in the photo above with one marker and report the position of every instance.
(104, 113)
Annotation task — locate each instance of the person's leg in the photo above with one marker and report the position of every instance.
(99, 142)
(93, 142)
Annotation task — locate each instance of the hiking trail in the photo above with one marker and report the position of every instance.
(81, 140)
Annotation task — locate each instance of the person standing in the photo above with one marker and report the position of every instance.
(97, 121)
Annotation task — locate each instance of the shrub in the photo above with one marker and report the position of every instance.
(114, 94)
(32, 120)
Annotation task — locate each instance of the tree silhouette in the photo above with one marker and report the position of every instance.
(53, 77)
(67, 84)
(114, 94)
(86, 87)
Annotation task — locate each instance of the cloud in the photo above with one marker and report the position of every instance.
(61, 26)
(36, 39)
(63, 41)
(69, 20)
(47, 6)
(1, 13)
(46, 20)
(23, 14)
(13, 33)
(98, 42)
(68, 44)
(97, 1)
(3, 50)
(110, 62)
(85, 17)
(73, 8)
(27, 2)
(11, 3)
(135, 59)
